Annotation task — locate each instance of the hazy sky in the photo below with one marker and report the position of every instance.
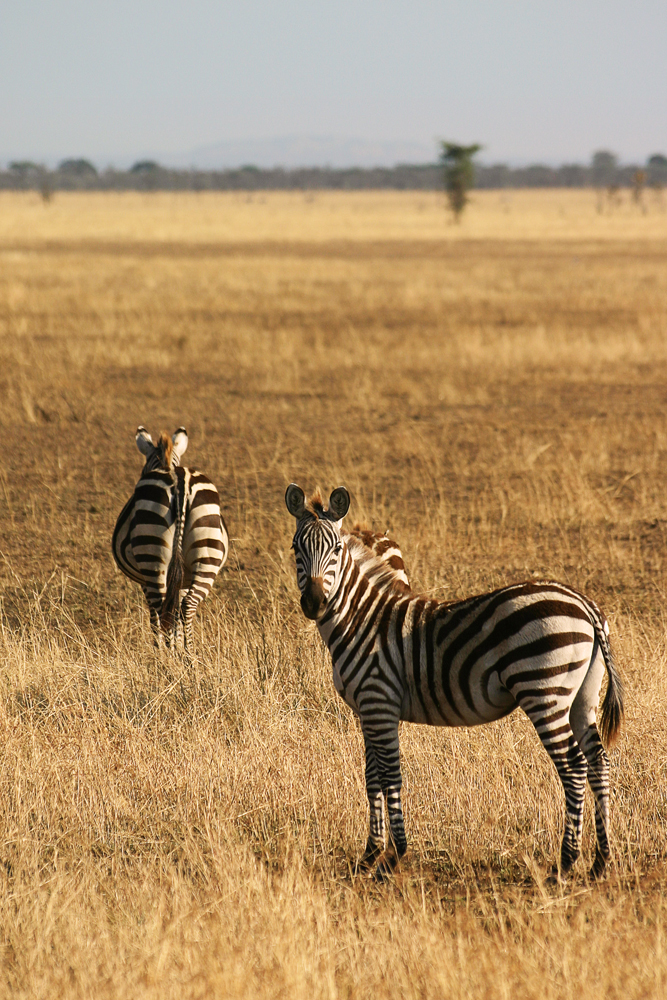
(531, 80)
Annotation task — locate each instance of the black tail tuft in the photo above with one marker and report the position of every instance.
(169, 611)
(612, 713)
(176, 569)
(611, 716)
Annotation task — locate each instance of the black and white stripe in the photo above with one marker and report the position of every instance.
(170, 536)
(398, 656)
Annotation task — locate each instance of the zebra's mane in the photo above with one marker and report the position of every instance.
(316, 504)
(374, 567)
(164, 447)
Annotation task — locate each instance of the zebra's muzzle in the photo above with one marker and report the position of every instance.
(312, 598)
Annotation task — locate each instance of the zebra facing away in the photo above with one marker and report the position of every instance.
(398, 656)
(170, 535)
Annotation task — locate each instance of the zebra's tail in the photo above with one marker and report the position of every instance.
(611, 716)
(175, 570)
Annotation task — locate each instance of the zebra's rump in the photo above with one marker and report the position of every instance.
(205, 540)
(143, 539)
(475, 661)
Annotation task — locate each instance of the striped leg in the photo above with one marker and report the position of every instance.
(189, 607)
(582, 720)
(555, 733)
(376, 835)
(154, 602)
(385, 746)
(598, 779)
(398, 841)
(203, 578)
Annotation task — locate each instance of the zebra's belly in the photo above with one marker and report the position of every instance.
(447, 707)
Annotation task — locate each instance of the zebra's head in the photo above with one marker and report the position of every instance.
(166, 453)
(317, 545)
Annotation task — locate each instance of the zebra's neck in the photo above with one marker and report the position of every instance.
(154, 465)
(350, 602)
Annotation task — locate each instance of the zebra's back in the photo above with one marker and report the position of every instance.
(468, 662)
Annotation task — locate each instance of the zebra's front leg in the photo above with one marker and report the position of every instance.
(398, 843)
(376, 834)
(387, 757)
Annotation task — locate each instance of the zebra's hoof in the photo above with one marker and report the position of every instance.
(372, 852)
(386, 867)
(599, 868)
(558, 876)
(382, 873)
(364, 866)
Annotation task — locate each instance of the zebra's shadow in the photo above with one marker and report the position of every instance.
(437, 875)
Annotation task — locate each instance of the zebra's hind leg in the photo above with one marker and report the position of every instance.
(582, 720)
(189, 605)
(154, 603)
(197, 591)
(555, 733)
(598, 779)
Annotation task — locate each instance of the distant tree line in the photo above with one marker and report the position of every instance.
(603, 172)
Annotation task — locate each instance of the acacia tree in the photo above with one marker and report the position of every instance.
(459, 173)
(604, 174)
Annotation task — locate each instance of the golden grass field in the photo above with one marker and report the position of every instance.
(495, 394)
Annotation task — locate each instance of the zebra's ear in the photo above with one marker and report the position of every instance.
(144, 442)
(180, 439)
(295, 500)
(339, 503)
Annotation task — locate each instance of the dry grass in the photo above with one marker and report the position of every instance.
(494, 393)
(210, 219)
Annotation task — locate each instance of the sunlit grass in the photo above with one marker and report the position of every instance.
(319, 217)
(494, 394)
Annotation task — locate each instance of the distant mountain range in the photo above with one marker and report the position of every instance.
(302, 151)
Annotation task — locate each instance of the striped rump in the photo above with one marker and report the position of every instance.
(170, 536)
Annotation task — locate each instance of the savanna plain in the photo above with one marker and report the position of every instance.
(493, 393)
